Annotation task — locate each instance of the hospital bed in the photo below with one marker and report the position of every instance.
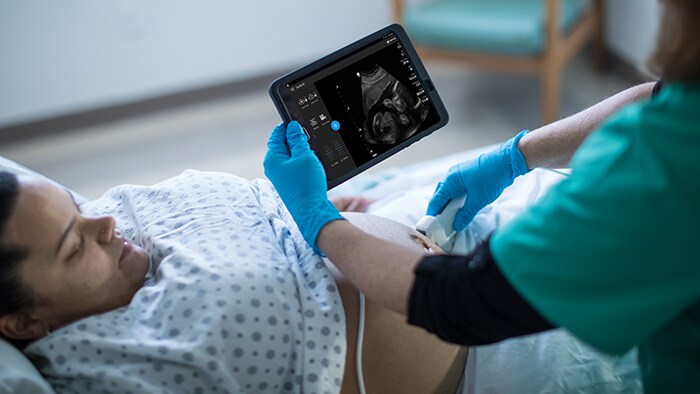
(548, 362)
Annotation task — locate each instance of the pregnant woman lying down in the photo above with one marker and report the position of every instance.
(199, 284)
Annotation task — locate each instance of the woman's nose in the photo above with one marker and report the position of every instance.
(104, 226)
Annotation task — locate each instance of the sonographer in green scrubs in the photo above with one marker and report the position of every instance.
(611, 253)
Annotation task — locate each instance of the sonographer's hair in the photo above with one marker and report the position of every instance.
(15, 296)
(677, 53)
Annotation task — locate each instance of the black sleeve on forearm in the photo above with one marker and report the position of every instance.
(466, 300)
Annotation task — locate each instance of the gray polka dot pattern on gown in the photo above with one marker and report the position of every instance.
(237, 301)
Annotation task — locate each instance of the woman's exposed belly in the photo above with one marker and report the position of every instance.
(397, 358)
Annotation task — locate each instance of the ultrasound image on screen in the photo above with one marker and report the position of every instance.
(378, 102)
(392, 113)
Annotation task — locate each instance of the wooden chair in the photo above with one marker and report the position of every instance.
(520, 36)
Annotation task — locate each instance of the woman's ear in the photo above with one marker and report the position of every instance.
(22, 326)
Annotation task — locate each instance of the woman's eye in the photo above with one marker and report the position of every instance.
(78, 248)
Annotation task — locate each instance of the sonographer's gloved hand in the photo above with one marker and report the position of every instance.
(482, 180)
(300, 180)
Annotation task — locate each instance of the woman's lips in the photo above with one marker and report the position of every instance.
(125, 250)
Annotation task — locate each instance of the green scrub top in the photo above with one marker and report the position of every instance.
(611, 253)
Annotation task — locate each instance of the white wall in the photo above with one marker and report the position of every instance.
(631, 27)
(58, 57)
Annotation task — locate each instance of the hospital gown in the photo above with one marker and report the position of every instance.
(237, 301)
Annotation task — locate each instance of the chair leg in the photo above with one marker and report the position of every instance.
(550, 69)
(551, 89)
(599, 38)
(397, 10)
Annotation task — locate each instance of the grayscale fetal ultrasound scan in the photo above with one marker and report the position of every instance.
(392, 113)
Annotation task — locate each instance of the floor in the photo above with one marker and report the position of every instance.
(230, 134)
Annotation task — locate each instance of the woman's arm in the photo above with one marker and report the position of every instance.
(461, 299)
(382, 270)
(552, 145)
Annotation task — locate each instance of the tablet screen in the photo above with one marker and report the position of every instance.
(360, 105)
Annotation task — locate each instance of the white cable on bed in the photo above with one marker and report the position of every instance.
(360, 338)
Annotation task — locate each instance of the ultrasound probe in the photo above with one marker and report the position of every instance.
(439, 227)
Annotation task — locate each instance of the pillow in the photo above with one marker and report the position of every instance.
(17, 374)
(10, 166)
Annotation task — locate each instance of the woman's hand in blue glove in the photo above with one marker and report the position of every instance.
(482, 179)
(300, 180)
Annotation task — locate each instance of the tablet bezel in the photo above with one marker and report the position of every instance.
(320, 64)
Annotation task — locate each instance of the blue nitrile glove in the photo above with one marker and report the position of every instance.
(300, 180)
(482, 180)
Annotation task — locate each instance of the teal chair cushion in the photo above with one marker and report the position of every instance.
(506, 27)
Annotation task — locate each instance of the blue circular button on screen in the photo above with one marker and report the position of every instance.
(335, 125)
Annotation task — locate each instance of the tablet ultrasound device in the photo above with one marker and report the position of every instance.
(362, 103)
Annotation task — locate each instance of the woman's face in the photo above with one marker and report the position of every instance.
(78, 265)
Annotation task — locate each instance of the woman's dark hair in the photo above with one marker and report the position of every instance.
(15, 296)
(677, 53)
